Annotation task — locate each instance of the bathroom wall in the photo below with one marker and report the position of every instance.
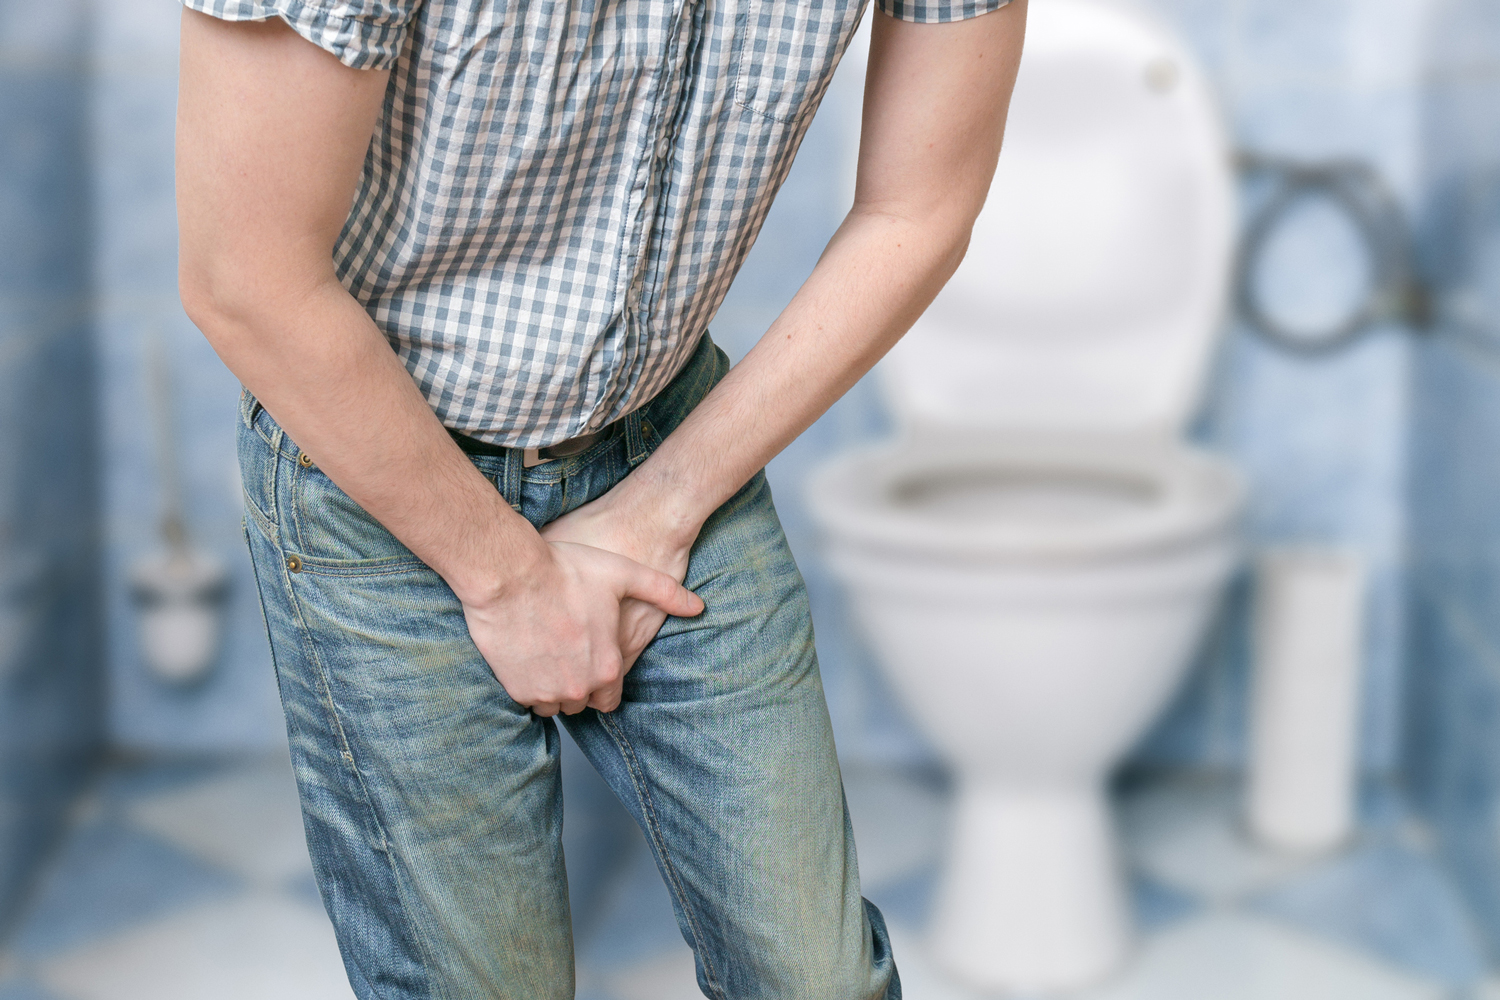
(134, 94)
(51, 695)
(1322, 440)
(1453, 751)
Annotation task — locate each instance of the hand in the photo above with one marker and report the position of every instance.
(608, 523)
(553, 637)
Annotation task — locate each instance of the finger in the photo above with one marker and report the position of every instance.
(639, 624)
(607, 698)
(545, 709)
(573, 707)
(656, 588)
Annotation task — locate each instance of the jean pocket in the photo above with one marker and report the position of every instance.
(788, 51)
(332, 532)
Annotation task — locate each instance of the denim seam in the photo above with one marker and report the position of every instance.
(335, 571)
(273, 471)
(253, 511)
(653, 829)
(295, 513)
(346, 753)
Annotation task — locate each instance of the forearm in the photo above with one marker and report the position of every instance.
(935, 106)
(318, 363)
(271, 135)
(879, 272)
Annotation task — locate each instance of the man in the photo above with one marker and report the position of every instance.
(462, 254)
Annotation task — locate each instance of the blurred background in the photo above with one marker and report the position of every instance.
(150, 844)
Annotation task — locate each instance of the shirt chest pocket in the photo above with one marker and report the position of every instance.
(788, 50)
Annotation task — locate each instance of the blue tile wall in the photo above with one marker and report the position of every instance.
(51, 695)
(135, 92)
(1322, 441)
(1453, 746)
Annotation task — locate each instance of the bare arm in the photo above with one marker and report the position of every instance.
(272, 133)
(935, 103)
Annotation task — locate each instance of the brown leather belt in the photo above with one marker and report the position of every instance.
(536, 456)
(563, 449)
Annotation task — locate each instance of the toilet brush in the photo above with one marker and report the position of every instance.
(178, 592)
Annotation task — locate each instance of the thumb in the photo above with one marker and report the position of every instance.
(661, 590)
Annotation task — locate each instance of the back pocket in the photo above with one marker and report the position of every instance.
(788, 52)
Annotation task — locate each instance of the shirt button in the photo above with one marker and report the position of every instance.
(294, 564)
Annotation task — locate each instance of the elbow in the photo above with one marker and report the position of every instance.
(232, 299)
(958, 246)
(216, 292)
(196, 290)
(943, 226)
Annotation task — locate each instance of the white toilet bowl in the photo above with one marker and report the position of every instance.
(1034, 605)
(1036, 557)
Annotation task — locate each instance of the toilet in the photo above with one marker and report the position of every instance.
(1037, 555)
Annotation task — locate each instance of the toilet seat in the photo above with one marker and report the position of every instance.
(1026, 499)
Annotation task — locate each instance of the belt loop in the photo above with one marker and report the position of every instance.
(510, 478)
(636, 450)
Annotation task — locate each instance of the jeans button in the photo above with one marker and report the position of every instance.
(294, 564)
(304, 460)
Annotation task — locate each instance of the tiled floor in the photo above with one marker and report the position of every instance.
(188, 882)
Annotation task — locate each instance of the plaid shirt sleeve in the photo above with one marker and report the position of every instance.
(363, 34)
(938, 11)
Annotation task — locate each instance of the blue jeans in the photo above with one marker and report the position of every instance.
(433, 802)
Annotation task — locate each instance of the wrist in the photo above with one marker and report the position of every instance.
(658, 507)
(508, 557)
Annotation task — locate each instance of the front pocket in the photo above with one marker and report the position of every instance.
(332, 533)
(788, 52)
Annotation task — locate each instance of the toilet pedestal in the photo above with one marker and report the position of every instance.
(1033, 897)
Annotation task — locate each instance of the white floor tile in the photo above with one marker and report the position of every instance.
(1217, 957)
(248, 821)
(1188, 835)
(1237, 957)
(900, 824)
(1487, 990)
(256, 947)
(670, 976)
(921, 979)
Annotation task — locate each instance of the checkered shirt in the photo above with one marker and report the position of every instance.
(558, 194)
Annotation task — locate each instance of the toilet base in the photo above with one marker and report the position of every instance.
(1033, 897)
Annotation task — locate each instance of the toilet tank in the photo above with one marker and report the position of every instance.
(1092, 291)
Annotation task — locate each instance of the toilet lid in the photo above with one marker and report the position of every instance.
(1091, 293)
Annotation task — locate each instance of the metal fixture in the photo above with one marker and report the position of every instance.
(179, 592)
(1395, 292)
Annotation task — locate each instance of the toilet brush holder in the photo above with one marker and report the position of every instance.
(1308, 636)
(180, 597)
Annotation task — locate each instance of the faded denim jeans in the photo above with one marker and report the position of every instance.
(433, 802)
